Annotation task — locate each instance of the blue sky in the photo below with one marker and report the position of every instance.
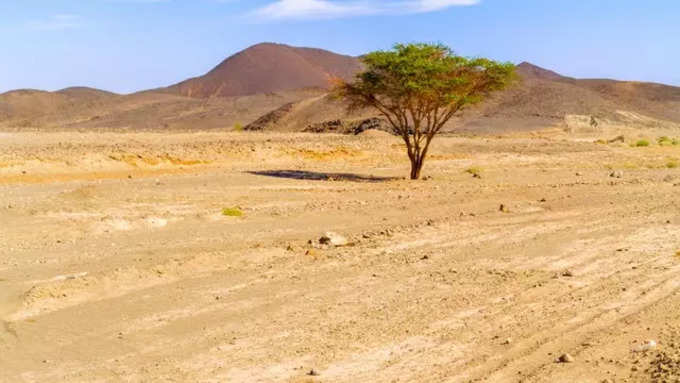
(130, 45)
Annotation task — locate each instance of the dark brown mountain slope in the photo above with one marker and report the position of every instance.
(266, 68)
(541, 98)
(544, 98)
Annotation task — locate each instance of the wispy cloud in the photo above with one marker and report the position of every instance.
(310, 9)
(56, 23)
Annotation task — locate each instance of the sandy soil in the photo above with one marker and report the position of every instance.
(117, 264)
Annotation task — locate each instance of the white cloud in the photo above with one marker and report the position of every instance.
(305, 9)
(56, 23)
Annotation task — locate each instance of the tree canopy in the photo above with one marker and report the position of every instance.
(419, 87)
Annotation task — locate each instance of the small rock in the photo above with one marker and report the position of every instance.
(616, 174)
(507, 342)
(620, 139)
(578, 174)
(334, 239)
(312, 373)
(647, 346)
(565, 358)
(567, 274)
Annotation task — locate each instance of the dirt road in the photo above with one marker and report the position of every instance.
(118, 264)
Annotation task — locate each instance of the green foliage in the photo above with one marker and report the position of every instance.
(641, 143)
(232, 212)
(419, 87)
(663, 140)
(238, 127)
(430, 74)
(667, 141)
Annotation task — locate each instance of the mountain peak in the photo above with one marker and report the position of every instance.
(268, 68)
(529, 70)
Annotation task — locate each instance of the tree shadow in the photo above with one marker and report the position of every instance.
(319, 176)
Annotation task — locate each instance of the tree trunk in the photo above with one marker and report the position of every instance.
(416, 167)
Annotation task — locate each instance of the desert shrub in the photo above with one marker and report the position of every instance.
(238, 127)
(664, 140)
(232, 212)
(672, 165)
(474, 171)
(641, 143)
(601, 142)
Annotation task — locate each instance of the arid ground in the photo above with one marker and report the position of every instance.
(117, 262)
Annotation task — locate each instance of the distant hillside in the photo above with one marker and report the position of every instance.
(90, 109)
(267, 68)
(27, 105)
(279, 87)
(541, 98)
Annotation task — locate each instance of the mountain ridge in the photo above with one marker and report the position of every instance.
(259, 80)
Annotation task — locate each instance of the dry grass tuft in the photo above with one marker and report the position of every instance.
(232, 212)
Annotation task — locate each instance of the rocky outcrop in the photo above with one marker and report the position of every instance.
(349, 126)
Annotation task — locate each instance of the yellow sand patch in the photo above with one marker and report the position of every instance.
(336, 153)
(135, 160)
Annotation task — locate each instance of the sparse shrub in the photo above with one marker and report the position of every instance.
(238, 127)
(675, 142)
(664, 141)
(672, 165)
(601, 142)
(232, 212)
(476, 172)
(642, 143)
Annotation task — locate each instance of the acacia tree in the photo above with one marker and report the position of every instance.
(418, 88)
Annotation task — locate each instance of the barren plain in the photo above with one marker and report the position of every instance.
(185, 257)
